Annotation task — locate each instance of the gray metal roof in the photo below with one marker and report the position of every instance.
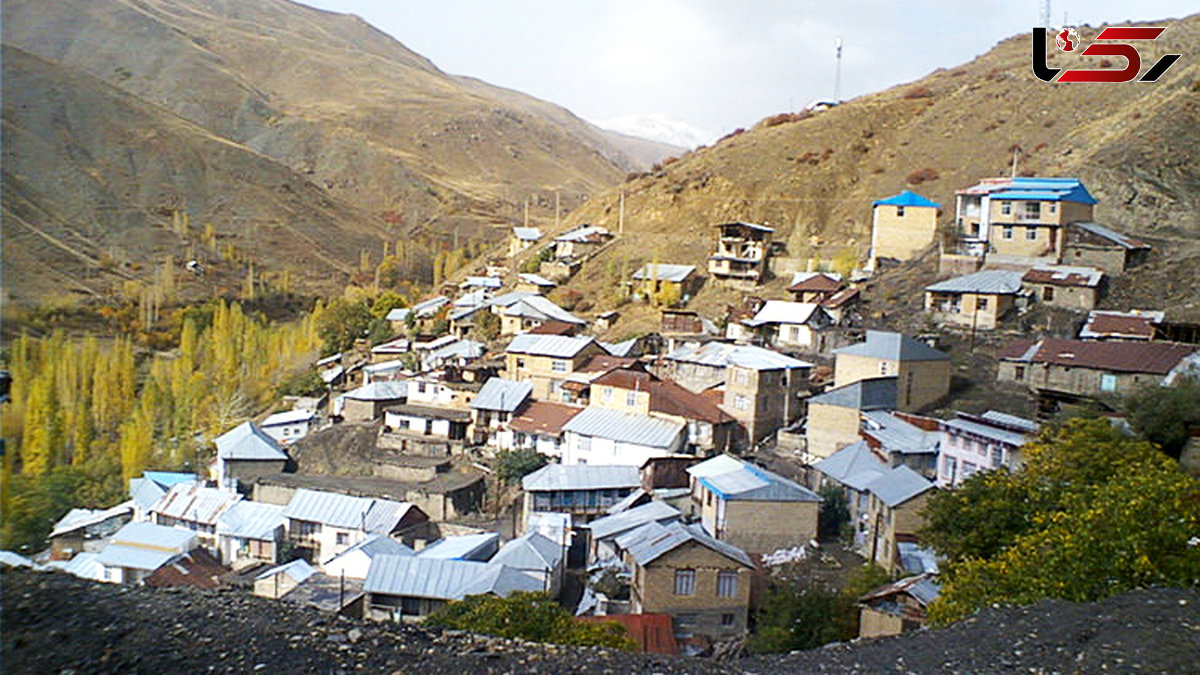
(1010, 420)
(463, 547)
(151, 535)
(530, 551)
(288, 417)
(916, 559)
(897, 435)
(992, 282)
(345, 511)
(415, 577)
(194, 502)
(625, 427)
(655, 511)
(782, 311)
(298, 570)
(581, 233)
(899, 485)
(251, 520)
(535, 279)
(375, 545)
(893, 346)
(662, 272)
(79, 518)
(527, 233)
(643, 532)
(1005, 436)
(1112, 235)
(389, 390)
(145, 491)
(581, 477)
(561, 346)
(715, 466)
(542, 309)
(502, 580)
(628, 501)
(247, 442)
(134, 557)
(501, 394)
(722, 354)
(854, 466)
(510, 298)
(677, 534)
(459, 349)
(877, 393)
(752, 483)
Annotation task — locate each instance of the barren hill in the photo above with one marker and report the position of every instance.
(813, 176)
(302, 136)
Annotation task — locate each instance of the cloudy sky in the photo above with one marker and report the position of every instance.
(714, 64)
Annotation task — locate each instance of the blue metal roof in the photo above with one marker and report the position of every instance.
(906, 198)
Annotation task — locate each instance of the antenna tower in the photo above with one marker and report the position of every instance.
(1044, 16)
(837, 77)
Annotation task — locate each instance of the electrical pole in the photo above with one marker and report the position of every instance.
(621, 215)
(556, 208)
(837, 76)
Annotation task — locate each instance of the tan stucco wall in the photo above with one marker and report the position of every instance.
(765, 527)
(850, 368)
(901, 237)
(1070, 297)
(1047, 240)
(873, 623)
(922, 383)
(831, 428)
(984, 319)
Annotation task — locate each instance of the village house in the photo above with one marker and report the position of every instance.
(250, 531)
(299, 583)
(896, 514)
(923, 372)
(976, 301)
(195, 569)
(367, 403)
(537, 556)
(904, 439)
(244, 453)
(583, 491)
(761, 388)
(355, 562)
(426, 428)
(1138, 325)
(677, 326)
(439, 389)
(422, 314)
(278, 581)
(740, 258)
(704, 584)
(898, 607)
(547, 360)
(815, 286)
(604, 532)
(532, 311)
(1020, 219)
(478, 546)
(404, 588)
(138, 549)
(194, 507)
(802, 326)
(835, 417)
(752, 508)
(458, 353)
(494, 407)
(634, 390)
(323, 524)
(600, 435)
(973, 443)
(148, 488)
(522, 239)
(1078, 288)
(87, 530)
(853, 469)
(1094, 245)
(1057, 368)
(539, 426)
(534, 283)
(288, 426)
(901, 226)
(580, 241)
(392, 350)
(666, 284)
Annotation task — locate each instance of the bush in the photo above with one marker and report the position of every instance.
(919, 92)
(529, 616)
(922, 175)
(835, 512)
(513, 465)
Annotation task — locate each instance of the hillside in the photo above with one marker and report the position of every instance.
(813, 177)
(302, 136)
(56, 623)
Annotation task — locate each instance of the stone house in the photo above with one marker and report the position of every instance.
(1085, 368)
(895, 513)
(740, 258)
(1135, 325)
(534, 283)
(537, 556)
(678, 281)
(835, 417)
(547, 360)
(87, 530)
(749, 507)
(367, 403)
(815, 286)
(902, 225)
(1094, 245)
(1078, 288)
(246, 452)
(422, 313)
(923, 372)
(413, 424)
(704, 584)
(976, 301)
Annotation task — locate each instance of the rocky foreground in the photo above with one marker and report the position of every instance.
(53, 623)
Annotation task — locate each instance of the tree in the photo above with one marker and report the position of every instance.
(1091, 512)
(835, 512)
(513, 465)
(487, 324)
(1165, 415)
(528, 616)
(342, 322)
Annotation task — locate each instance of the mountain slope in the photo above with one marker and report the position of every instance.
(364, 122)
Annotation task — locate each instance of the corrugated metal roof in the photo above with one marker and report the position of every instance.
(374, 545)
(345, 511)
(501, 394)
(582, 233)
(509, 299)
(655, 511)
(1112, 235)
(642, 532)
(463, 547)
(168, 478)
(416, 577)
(907, 198)
(895, 346)
(459, 349)
(986, 431)
(149, 535)
(297, 570)
(878, 393)
(562, 346)
(482, 282)
(195, 503)
(625, 427)
(992, 282)
(723, 354)
(678, 534)
(250, 520)
(664, 272)
(397, 346)
(581, 477)
(530, 551)
(542, 309)
(782, 311)
(854, 466)
(916, 559)
(897, 435)
(923, 587)
(80, 518)
(1064, 275)
(134, 557)
(84, 565)
(1129, 357)
(752, 483)
(527, 233)
(1045, 189)
(622, 348)
(1137, 323)
(390, 390)
(1010, 420)
(288, 417)
(715, 466)
(899, 485)
(502, 580)
(247, 442)
(535, 279)
(826, 282)
(145, 491)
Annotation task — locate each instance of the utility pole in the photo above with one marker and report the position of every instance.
(837, 77)
(1044, 15)
(556, 206)
(621, 215)
(526, 211)
(1016, 152)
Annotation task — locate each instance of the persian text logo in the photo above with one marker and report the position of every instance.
(1067, 40)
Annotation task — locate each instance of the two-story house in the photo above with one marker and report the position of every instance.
(634, 390)
(583, 491)
(599, 435)
(740, 258)
(804, 326)
(1021, 218)
(973, 443)
(494, 407)
(923, 372)
(853, 469)
(657, 280)
(547, 360)
(977, 301)
(246, 452)
(896, 513)
(196, 508)
(902, 225)
(835, 416)
(1084, 368)
(323, 524)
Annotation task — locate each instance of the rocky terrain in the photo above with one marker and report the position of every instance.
(53, 623)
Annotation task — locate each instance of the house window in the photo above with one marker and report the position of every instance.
(1047, 294)
(420, 387)
(1033, 209)
(558, 366)
(343, 538)
(727, 620)
(727, 584)
(631, 399)
(1008, 231)
(1108, 382)
(899, 211)
(981, 303)
(741, 403)
(1019, 373)
(1053, 207)
(606, 394)
(1006, 208)
(708, 499)
(885, 367)
(685, 583)
(585, 444)
(742, 376)
(520, 363)
(1030, 232)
